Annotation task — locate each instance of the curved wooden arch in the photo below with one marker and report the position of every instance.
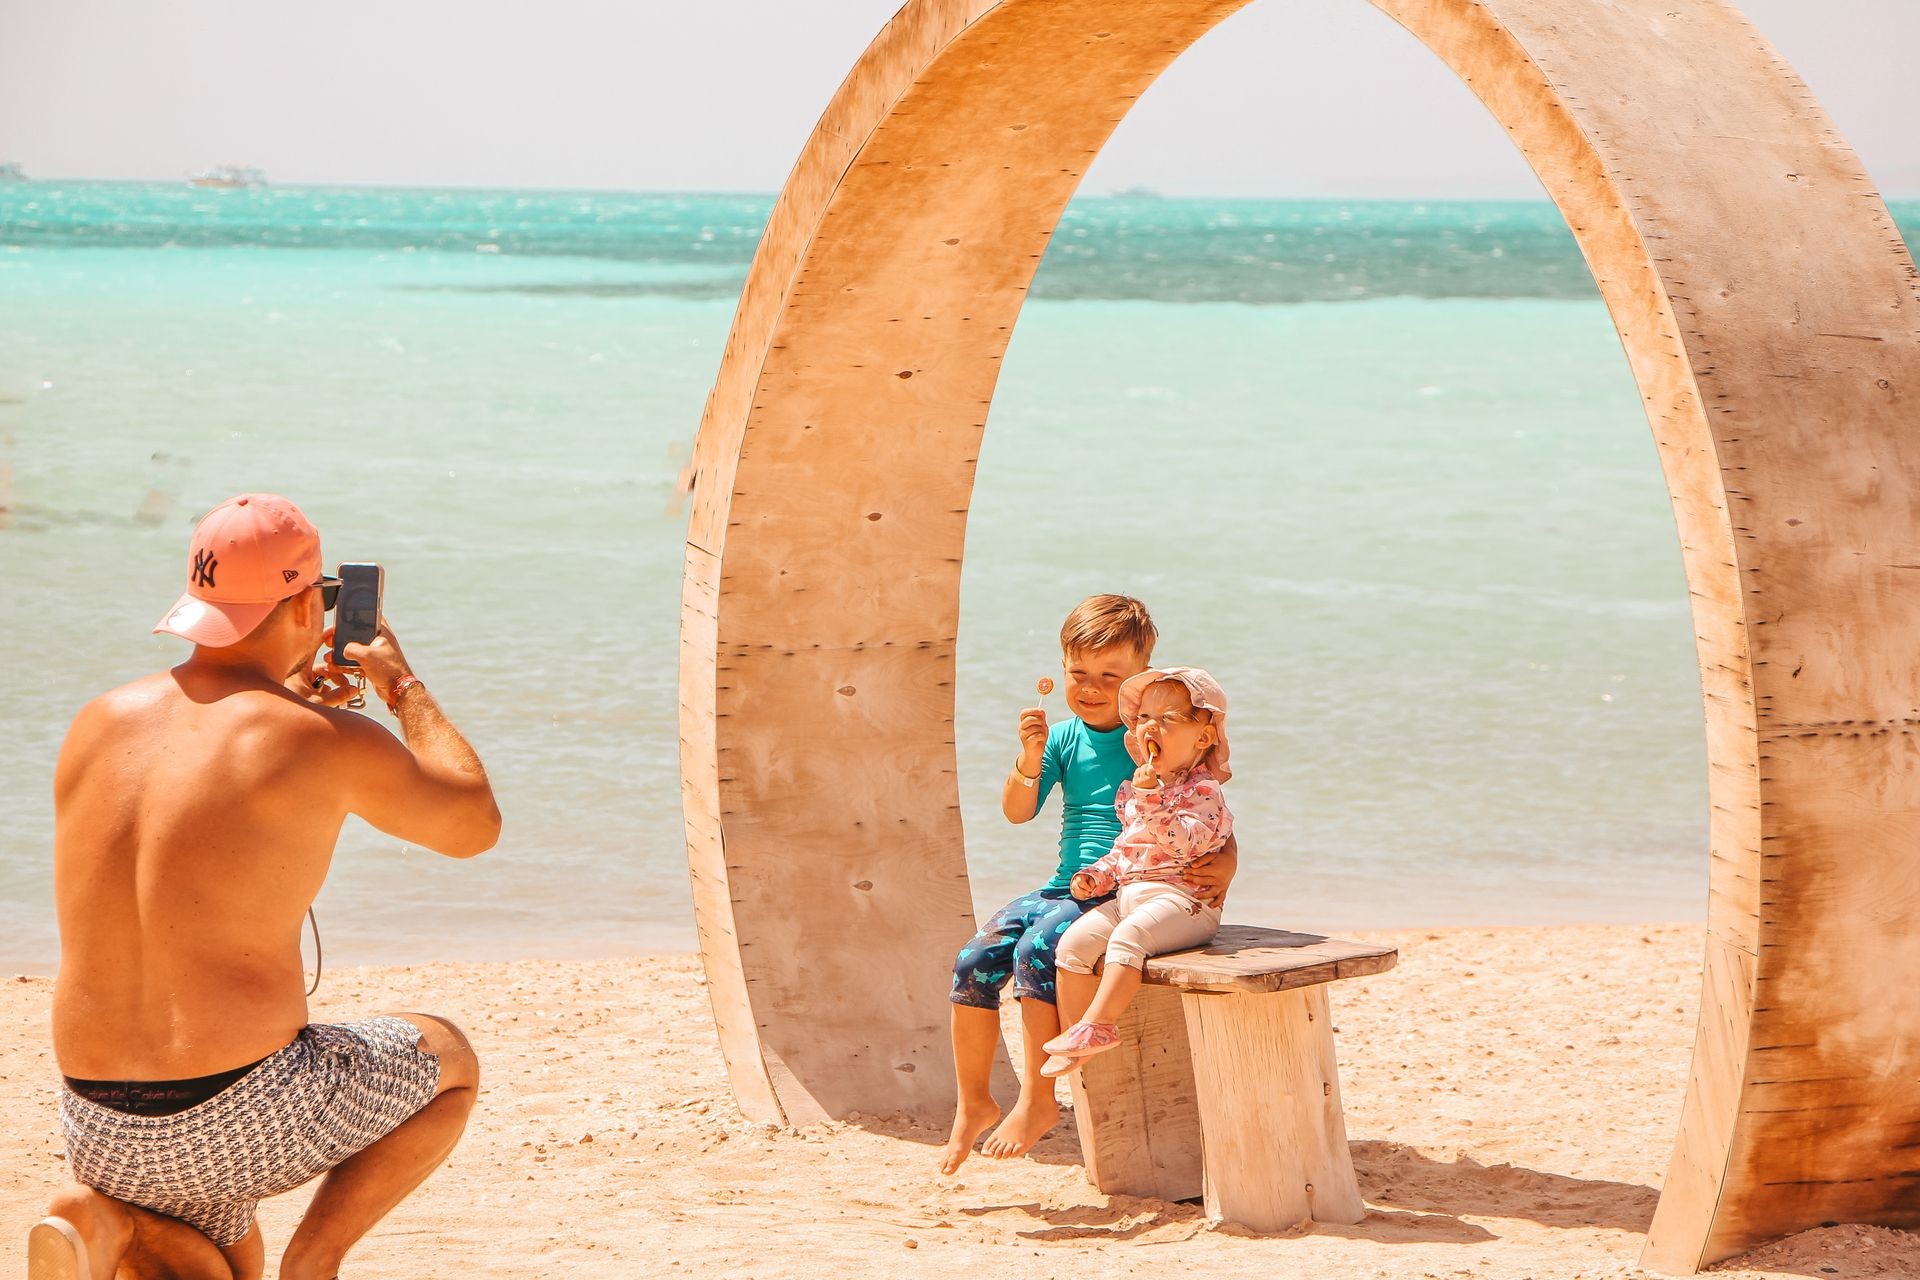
(1771, 316)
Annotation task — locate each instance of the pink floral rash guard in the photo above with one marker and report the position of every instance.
(1163, 831)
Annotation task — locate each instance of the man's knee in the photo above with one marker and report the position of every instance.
(459, 1064)
(145, 1243)
(248, 1255)
(104, 1222)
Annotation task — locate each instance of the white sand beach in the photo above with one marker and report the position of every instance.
(1511, 1095)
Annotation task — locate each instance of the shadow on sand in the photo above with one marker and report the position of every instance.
(1062, 1146)
(1395, 1175)
(1122, 1218)
(1411, 1197)
(1840, 1252)
(1125, 1217)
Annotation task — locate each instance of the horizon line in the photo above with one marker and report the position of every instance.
(1138, 191)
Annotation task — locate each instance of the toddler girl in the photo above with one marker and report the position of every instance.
(1171, 813)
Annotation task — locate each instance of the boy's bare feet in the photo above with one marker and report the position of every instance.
(971, 1118)
(1031, 1119)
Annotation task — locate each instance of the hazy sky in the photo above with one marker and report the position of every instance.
(1308, 97)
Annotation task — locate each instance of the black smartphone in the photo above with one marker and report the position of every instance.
(356, 617)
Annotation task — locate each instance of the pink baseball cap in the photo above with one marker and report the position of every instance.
(1202, 688)
(247, 555)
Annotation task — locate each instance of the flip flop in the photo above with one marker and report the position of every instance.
(55, 1251)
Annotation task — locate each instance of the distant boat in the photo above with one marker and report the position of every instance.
(1138, 192)
(11, 172)
(230, 175)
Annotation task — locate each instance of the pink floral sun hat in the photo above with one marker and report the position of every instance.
(1205, 692)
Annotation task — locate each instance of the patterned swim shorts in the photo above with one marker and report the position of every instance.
(332, 1093)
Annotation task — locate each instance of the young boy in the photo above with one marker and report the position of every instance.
(1104, 641)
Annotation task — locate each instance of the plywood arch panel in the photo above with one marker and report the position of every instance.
(1771, 316)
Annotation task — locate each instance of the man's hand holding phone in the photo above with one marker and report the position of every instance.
(381, 662)
(357, 613)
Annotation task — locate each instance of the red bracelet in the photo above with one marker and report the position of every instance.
(400, 686)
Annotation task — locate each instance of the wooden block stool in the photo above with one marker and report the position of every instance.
(1225, 1083)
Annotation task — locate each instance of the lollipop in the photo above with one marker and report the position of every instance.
(1044, 685)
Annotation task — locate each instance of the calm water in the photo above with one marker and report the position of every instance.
(1430, 557)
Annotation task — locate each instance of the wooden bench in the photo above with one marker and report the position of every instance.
(1225, 1083)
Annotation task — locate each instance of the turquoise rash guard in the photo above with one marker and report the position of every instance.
(1088, 765)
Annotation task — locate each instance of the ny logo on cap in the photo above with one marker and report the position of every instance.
(203, 566)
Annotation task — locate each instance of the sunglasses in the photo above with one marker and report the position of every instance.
(329, 592)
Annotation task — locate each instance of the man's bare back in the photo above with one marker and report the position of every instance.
(196, 815)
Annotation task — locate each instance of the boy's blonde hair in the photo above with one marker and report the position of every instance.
(1107, 621)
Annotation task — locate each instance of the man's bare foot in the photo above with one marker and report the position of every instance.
(970, 1120)
(1030, 1120)
(83, 1237)
(56, 1251)
(119, 1239)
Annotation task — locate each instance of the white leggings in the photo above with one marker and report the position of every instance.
(1147, 919)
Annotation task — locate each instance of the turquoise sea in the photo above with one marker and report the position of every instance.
(1417, 528)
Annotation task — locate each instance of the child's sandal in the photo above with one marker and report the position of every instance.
(1084, 1039)
(1057, 1065)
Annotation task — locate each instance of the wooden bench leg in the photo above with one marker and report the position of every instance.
(1134, 1105)
(1269, 1097)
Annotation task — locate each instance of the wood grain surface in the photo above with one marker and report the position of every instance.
(1134, 1105)
(1270, 1118)
(1247, 958)
(1771, 316)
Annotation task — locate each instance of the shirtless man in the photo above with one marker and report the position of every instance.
(195, 814)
